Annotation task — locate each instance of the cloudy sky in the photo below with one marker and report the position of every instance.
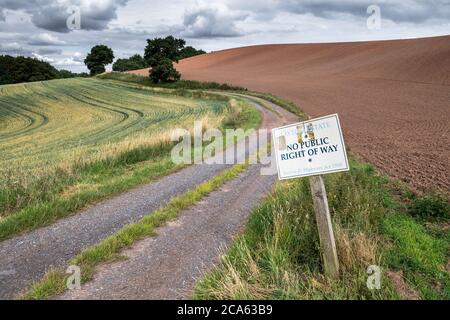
(51, 30)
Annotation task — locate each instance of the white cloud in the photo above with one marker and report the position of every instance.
(210, 20)
(42, 57)
(68, 61)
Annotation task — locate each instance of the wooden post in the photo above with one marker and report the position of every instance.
(327, 242)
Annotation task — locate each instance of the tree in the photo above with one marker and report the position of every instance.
(160, 54)
(30, 69)
(133, 63)
(98, 58)
(168, 47)
(24, 69)
(65, 74)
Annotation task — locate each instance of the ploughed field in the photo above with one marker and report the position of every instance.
(393, 97)
(51, 127)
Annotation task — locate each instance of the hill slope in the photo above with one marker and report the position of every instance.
(393, 96)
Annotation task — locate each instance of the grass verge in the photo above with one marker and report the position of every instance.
(182, 84)
(278, 255)
(109, 249)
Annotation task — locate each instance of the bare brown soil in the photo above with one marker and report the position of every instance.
(393, 97)
(401, 287)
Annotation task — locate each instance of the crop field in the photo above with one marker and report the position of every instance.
(42, 124)
(54, 134)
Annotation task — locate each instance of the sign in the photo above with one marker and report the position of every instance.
(313, 148)
(310, 148)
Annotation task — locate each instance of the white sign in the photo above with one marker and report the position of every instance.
(310, 148)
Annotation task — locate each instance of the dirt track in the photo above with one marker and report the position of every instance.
(26, 258)
(393, 97)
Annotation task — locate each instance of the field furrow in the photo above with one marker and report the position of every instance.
(46, 127)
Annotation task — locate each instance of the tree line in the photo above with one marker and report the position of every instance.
(159, 56)
(137, 61)
(25, 69)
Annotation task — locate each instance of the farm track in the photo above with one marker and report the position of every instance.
(26, 258)
(168, 265)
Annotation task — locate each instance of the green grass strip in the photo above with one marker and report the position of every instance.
(182, 84)
(54, 282)
(421, 255)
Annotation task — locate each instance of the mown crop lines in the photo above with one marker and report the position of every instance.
(46, 125)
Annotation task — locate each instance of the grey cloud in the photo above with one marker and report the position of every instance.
(14, 49)
(414, 11)
(44, 51)
(16, 4)
(324, 8)
(52, 15)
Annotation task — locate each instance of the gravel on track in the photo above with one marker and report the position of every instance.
(168, 265)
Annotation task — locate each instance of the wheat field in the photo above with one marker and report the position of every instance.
(58, 123)
(55, 134)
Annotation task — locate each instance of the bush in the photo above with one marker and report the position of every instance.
(133, 63)
(431, 205)
(189, 51)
